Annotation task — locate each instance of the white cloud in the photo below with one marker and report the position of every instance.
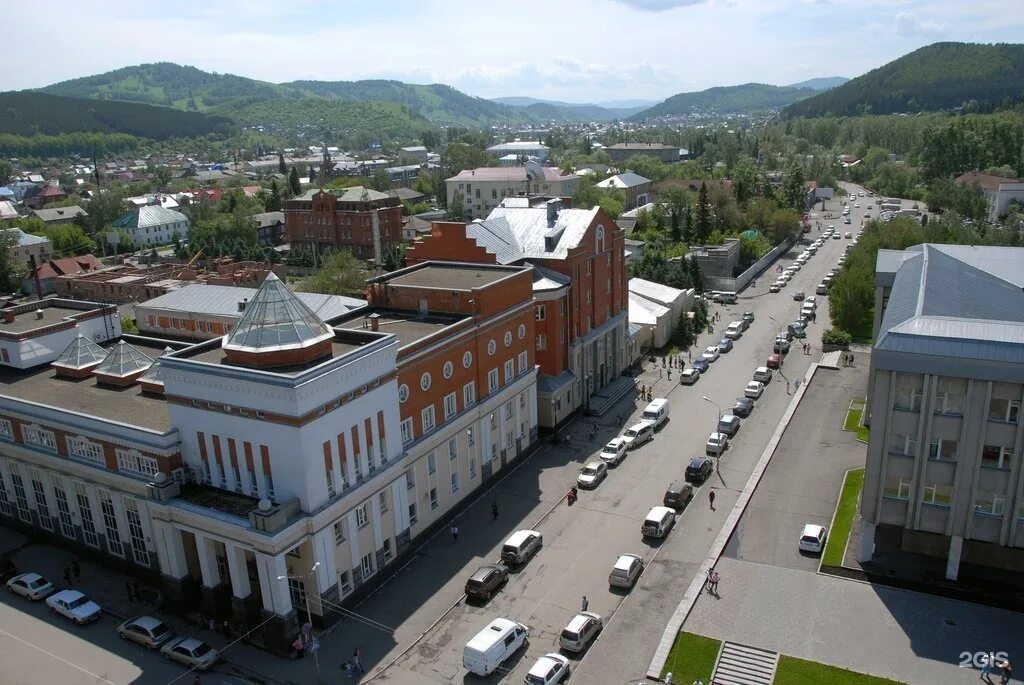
(910, 26)
(659, 5)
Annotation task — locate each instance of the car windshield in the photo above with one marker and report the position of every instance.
(590, 471)
(610, 449)
(631, 433)
(535, 679)
(570, 635)
(38, 582)
(809, 538)
(204, 649)
(159, 629)
(81, 601)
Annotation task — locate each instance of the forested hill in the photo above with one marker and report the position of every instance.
(942, 76)
(27, 113)
(743, 99)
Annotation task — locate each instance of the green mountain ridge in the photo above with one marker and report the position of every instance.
(747, 98)
(941, 76)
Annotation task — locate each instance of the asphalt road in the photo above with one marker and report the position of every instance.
(421, 634)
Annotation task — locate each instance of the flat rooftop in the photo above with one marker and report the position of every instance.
(223, 501)
(450, 277)
(408, 327)
(27, 321)
(85, 396)
(216, 355)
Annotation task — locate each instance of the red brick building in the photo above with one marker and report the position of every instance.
(346, 219)
(580, 293)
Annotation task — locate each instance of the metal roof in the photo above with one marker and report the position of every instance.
(25, 239)
(547, 279)
(155, 373)
(623, 180)
(643, 311)
(658, 293)
(222, 300)
(149, 215)
(512, 233)
(274, 319)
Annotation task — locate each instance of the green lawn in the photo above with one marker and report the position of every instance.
(853, 417)
(846, 509)
(692, 658)
(799, 672)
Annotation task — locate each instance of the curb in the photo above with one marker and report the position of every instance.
(693, 592)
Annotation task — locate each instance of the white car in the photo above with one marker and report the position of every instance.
(614, 451)
(711, 354)
(716, 444)
(689, 376)
(786, 276)
(831, 227)
(626, 571)
(795, 267)
(74, 605)
(31, 585)
(762, 374)
(550, 668)
(754, 390)
(580, 631)
(813, 537)
(811, 300)
(592, 474)
(775, 287)
(836, 236)
(856, 205)
(638, 434)
(190, 652)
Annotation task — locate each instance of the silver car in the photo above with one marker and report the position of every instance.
(190, 652)
(147, 631)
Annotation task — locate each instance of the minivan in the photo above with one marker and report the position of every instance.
(678, 495)
(728, 298)
(583, 628)
(491, 646)
(734, 331)
(656, 412)
(522, 545)
(729, 424)
(638, 434)
(658, 522)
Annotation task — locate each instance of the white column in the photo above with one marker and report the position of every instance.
(375, 522)
(956, 545)
(274, 592)
(350, 464)
(170, 550)
(323, 553)
(867, 542)
(400, 504)
(240, 586)
(207, 561)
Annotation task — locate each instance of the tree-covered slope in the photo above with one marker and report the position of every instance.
(743, 99)
(941, 76)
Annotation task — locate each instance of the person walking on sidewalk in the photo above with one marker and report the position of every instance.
(711, 499)
(586, 603)
(455, 533)
(713, 578)
(300, 647)
(494, 510)
(197, 680)
(357, 662)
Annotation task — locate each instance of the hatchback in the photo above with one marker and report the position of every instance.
(774, 288)
(547, 670)
(748, 317)
(781, 344)
(812, 539)
(724, 345)
(190, 652)
(762, 374)
(31, 585)
(689, 376)
(627, 569)
(147, 631)
(774, 361)
(743, 407)
(716, 444)
(799, 296)
(580, 631)
(711, 354)
(698, 470)
(754, 390)
(700, 364)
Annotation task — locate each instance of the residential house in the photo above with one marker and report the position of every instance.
(269, 228)
(7, 210)
(150, 225)
(39, 196)
(415, 153)
(52, 216)
(620, 152)
(999, 191)
(47, 273)
(30, 246)
(484, 189)
(636, 187)
(522, 149)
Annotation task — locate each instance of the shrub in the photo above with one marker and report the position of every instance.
(836, 336)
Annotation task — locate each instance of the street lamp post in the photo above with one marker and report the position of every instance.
(309, 614)
(717, 406)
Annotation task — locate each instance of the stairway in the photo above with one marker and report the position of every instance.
(742, 665)
(608, 396)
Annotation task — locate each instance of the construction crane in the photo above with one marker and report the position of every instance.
(177, 273)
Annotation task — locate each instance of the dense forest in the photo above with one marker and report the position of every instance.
(942, 76)
(744, 99)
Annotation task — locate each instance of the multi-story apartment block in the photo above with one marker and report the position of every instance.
(944, 473)
(365, 222)
(286, 448)
(580, 292)
(484, 189)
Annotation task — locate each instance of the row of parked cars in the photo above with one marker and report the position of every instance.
(699, 366)
(148, 631)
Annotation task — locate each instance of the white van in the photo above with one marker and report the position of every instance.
(734, 331)
(492, 645)
(658, 522)
(729, 298)
(656, 412)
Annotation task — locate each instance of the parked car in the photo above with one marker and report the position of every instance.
(748, 317)
(547, 670)
(812, 539)
(678, 495)
(489, 648)
(717, 444)
(798, 329)
(836, 236)
(592, 474)
(711, 354)
(754, 390)
(74, 605)
(775, 287)
(615, 451)
(734, 330)
(774, 361)
(31, 585)
(781, 345)
(148, 631)
(698, 470)
(638, 434)
(190, 652)
(689, 376)
(658, 522)
(743, 407)
(521, 546)
(626, 571)
(724, 345)
(486, 580)
(763, 374)
(799, 296)
(700, 364)
(580, 631)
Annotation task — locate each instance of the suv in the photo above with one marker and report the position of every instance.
(678, 495)
(698, 470)
(486, 581)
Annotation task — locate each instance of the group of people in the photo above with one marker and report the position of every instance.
(1005, 669)
(847, 358)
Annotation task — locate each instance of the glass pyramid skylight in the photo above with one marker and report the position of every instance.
(276, 319)
(155, 374)
(81, 353)
(123, 360)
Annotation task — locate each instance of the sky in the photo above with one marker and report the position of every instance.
(571, 50)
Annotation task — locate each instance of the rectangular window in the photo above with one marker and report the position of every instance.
(67, 526)
(344, 582)
(268, 483)
(590, 297)
(5, 501)
(455, 482)
(85, 513)
(24, 513)
(410, 479)
(6, 430)
(1001, 409)
(494, 421)
(943, 449)
(469, 437)
(949, 396)
(909, 391)
(903, 445)
(34, 435)
(339, 532)
(939, 495)
(542, 342)
(510, 371)
(362, 515)
(427, 415)
(989, 503)
(896, 488)
(609, 286)
(388, 553)
(472, 468)
(540, 313)
(133, 462)
(523, 358)
(297, 591)
(114, 545)
(42, 508)
(433, 498)
(996, 457)
(407, 431)
(329, 477)
(508, 410)
(453, 449)
(367, 565)
(492, 380)
(469, 394)
(450, 406)
(135, 531)
(431, 463)
(412, 513)
(382, 501)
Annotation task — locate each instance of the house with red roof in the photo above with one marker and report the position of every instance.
(47, 272)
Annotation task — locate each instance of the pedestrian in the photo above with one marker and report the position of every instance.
(1007, 672)
(67, 575)
(568, 440)
(76, 569)
(689, 354)
(494, 511)
(711, 499)
(300, 647)
(356, 661)
(159, 600)
(659, 373)
(986, 669)
(227, 630)
(131, 590)
(670, 374)
(196, 680)
(714, 581)
(851, 359)
(455, 533)
(710, 581)
(586, 603)
(212, 625)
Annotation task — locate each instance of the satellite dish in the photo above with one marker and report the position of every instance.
(534, 171)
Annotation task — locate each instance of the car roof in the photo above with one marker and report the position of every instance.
(761, 369)
(640, 424)
(625, 561)
(544, 664)
(29, 577)
(659, 512)
(597, 464)
(729, 417)
(519, 536)
(657, 402)
(690, 371)
(697, 461)
(578, 620)
(67, 595)
(482, 640)
(615, 442)
(813, 529)
(484, 571)
(147, 622)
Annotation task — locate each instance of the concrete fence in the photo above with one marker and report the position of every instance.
(737, 283)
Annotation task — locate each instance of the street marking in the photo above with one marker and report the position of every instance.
(61, 659)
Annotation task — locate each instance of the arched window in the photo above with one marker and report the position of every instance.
(600, 240)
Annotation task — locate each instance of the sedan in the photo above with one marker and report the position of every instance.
(724, 345)
(691, 375)
(190, 652)
(74, 605)
(31, 585)
(774, 361)
(748, 317)
(592, 474)
(743, 407)
(615, 451)
(836, 236)
(754, 389)
(775, 287)
(799, 296)
(547, 670)
(700, 364)
(781, 345)
(795, 266)
(147, 631)
(711, 354)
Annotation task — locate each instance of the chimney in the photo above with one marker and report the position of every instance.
(374, 322)
(39, 314)
(554, 207)
(8, 316)
(241, 304)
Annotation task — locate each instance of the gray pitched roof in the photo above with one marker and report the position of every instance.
(512, 233)
(624, 180)
(149, 215)
(222, 300)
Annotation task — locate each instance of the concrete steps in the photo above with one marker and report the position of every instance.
(742, 665)
(608, 396)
